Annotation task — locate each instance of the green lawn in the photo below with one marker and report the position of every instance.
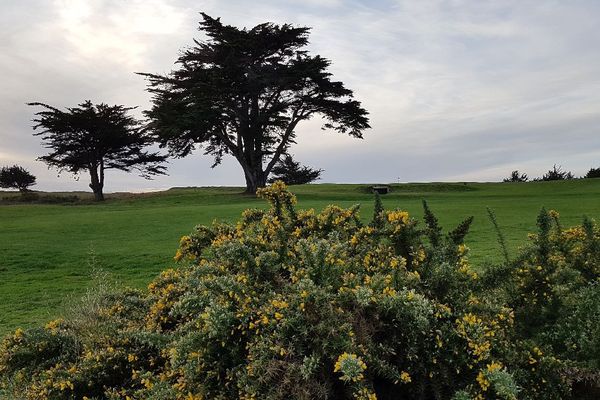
(45, 250)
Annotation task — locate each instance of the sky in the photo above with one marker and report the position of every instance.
(456, 90)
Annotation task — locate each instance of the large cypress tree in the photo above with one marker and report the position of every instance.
(243, 92)
(95, 138)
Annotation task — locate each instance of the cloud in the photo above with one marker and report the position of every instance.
(457, 90)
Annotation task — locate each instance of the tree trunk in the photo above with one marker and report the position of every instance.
(97, 183)
(254, 180)
(251, 160)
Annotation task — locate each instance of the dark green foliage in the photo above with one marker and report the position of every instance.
(499, 234)
(16, 177)
(95, 138)
(445, 245)
(242, 92)
(557, 174)
(434, 230)
(292, 173)
(378, 217)
(515, 176)
(593, 173)
(457, 235)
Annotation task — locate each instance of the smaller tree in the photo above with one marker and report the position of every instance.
(515, 176)
(95, 138)
(16, 177)
(292, 173)
(593, 173)
(557, 174)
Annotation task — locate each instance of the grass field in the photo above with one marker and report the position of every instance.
(45, 250)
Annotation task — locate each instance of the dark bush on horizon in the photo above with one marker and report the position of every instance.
(593, 173)
(295, 304)
(556, 174)
(515, 176)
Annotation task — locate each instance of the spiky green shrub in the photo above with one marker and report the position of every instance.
(305, 305)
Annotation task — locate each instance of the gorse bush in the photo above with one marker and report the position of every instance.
(289, 303)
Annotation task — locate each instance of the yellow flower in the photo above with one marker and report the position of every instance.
(470, 319)
(405, 377)
(494, 366)
(53, 326)
(398, 216)
(483, 381)
(365, 394)
(147, 383)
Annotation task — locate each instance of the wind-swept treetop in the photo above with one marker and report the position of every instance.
(95, 138)
(16, 177)
(243, 92)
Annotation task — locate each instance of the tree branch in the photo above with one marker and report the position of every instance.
(297, 116)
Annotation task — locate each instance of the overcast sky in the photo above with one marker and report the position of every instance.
(456, 90)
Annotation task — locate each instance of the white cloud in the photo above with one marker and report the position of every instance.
(113, 29)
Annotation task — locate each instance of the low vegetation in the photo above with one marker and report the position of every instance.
(294, 303)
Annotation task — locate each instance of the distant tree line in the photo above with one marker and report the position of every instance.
(554, 174)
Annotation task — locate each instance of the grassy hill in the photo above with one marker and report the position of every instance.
(46, 249)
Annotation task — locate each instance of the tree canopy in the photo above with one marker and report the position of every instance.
(96, 138)
(243, 92)
(16, 177)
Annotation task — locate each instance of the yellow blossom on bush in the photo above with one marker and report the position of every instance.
(405, 377)
(351, 366)
(398, 216)
(365, 394)
(484, 383)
